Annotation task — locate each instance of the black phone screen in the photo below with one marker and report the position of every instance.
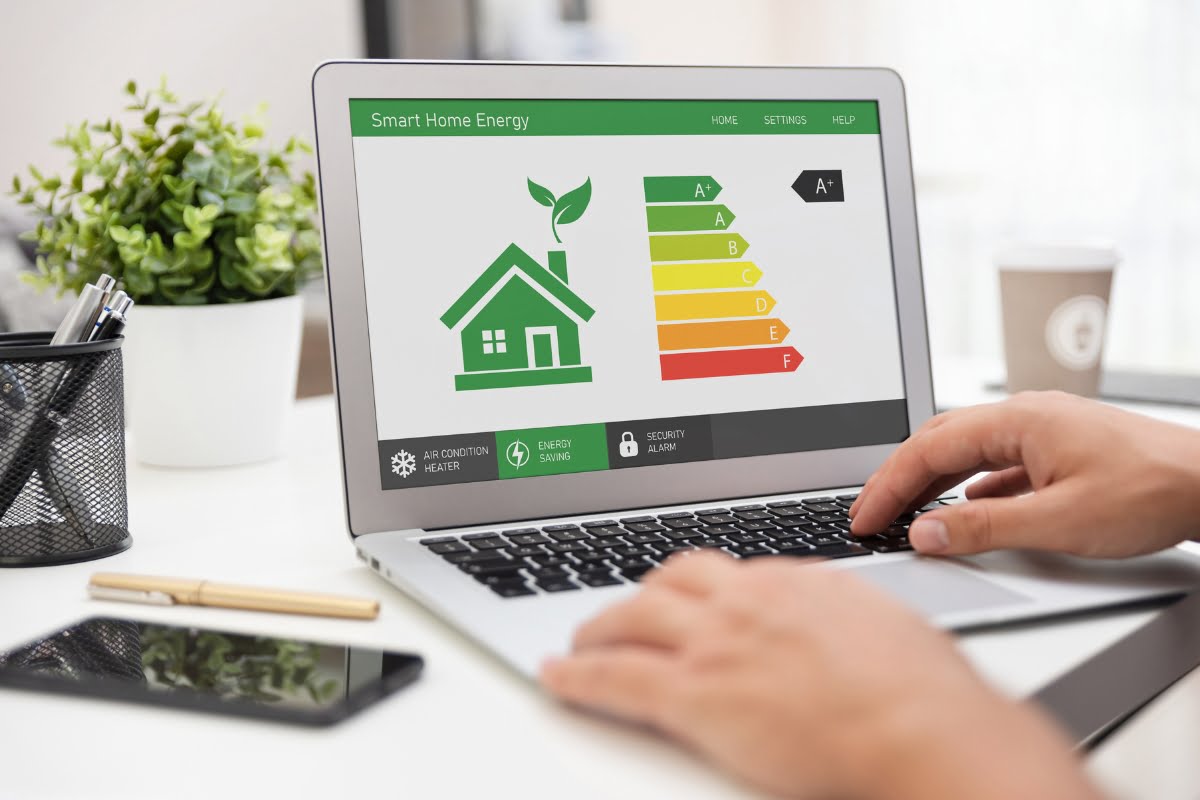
(268, 677)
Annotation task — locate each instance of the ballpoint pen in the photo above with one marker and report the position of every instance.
(184, 591)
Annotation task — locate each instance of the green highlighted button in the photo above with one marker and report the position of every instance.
(551, 451)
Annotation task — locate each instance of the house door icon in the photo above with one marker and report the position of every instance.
(541, 344)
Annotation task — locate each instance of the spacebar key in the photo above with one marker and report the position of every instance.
(837, 551)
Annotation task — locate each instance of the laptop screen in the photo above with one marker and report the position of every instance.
(563, 286)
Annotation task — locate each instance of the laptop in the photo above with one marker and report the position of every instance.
(585, 317)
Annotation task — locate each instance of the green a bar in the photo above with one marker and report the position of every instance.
(711, 217)
(681, 189)
(697, 247)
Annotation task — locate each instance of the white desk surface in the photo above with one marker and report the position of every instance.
(469, 727)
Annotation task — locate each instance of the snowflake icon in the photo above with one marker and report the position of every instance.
(404, 463)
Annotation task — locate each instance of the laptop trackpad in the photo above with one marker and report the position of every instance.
(935, 587)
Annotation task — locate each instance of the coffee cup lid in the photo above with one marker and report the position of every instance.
(1051, 256)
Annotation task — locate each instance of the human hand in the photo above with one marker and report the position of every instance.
(808, 682)
(1105, 483)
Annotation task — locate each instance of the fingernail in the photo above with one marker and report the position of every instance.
(929, 535)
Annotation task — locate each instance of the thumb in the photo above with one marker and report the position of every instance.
(985, 524)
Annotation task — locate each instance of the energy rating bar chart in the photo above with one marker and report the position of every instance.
(712, 319)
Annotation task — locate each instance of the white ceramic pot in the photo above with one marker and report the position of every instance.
(211, 385)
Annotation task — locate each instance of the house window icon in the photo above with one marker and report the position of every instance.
(493, 342)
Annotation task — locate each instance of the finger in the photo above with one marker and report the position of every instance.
(939, 487)
(1035, 521)
(984, 437)
(628, 682)
(930, 424)
(653, 618)
(697, 574)
(1005, 483)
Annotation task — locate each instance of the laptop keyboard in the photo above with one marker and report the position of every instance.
(609, 552)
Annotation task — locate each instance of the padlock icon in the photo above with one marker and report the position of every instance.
(629, 445)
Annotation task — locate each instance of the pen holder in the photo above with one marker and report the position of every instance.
(62, 451)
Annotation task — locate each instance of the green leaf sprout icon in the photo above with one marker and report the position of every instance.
(565, 209)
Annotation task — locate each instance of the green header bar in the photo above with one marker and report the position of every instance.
(609, 117)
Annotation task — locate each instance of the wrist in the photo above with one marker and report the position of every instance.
(980, 745)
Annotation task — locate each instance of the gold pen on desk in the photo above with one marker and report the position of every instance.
(187, 592)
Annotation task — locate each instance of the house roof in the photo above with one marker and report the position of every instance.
(514, 256)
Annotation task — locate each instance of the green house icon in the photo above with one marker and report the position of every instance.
(519, 324)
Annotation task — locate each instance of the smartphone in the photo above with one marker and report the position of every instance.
(265, 677)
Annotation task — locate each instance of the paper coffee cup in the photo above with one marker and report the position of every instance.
(1054, 300)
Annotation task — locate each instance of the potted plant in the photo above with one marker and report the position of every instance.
(209, 232)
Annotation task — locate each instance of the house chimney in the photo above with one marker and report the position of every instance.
(556, 262)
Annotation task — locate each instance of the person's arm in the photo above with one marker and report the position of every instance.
(808, 682)
(1067, 474)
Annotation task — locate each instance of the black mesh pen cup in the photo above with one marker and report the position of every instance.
(62, 451)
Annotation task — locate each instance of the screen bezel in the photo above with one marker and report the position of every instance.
(127, 691)
(370, 508)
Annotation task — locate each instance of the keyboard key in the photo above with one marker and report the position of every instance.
(793, 547)
(850, 497)
(566, 547)
(756, 525)
(632, 551)
(642, 538)
(448, 547)
(822, 541)
(528, 538)
(717, 519)
(751, 507)
(548, 573)
(706, 512)
(785, 534)
(557, 585)
(793, 522)
(746, 538)
(810, 500)
(821, 530)
(633, 520)
(895, 531)
(509, 567)
(783, 504)
(549, 560)
(519, 531)
(438, 540)
(491, 543)
(686, 533)
(573, 535)
(789, 511)
(605, 578)
(644, 527)
(562, 526)
(606, 530)
(719, 530)
(512, 589)
(880, 544)
(599, 523)
(750, 550)
(626, 564)
(479, 557)
(843, 550)
(591, 557)
(675, 515)
(470, 537)
(707, 541)
(524, 550)
(682, 523)
(602, 542)
(636, 574)
(672, 547)
(825, 508)
(826, 517)
(752, 515)
(455, 558)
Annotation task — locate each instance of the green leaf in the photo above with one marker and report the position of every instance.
(541, 194)
(151, 117)
(571, 205)
(131, 88)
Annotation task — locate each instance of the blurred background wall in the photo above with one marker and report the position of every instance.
(1030, 119)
